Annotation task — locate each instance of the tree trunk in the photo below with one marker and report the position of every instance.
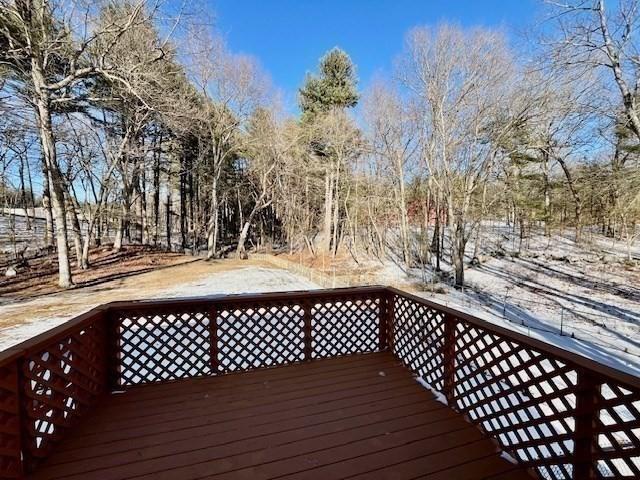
(336, 212)
(75, 228)
(23, 192)
(144, 221)
(156, 190)
(56, 180)
(576, 198)
(212, 236)
(328, 210)
(547, 198)
(32, 198)
(241, 252)
(435, 242)
(183, 202)
(168, 222)
(404, 221)
(457, 252)
(123, 223)
(46, 205)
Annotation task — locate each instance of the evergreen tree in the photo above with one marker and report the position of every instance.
(334, 87)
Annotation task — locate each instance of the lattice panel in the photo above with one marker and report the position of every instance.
(10, 462)
(345, 326)
(259, 335)
(161, 345)
(418, 339)
(522, 398)
(618, 432)
(60, 383)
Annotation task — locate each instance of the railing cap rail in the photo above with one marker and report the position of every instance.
(248, 297)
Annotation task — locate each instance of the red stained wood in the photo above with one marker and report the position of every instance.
(314, 418)
(335, 418)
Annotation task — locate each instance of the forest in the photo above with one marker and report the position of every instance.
(126, 122)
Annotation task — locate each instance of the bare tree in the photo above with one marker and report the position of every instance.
(337, 143)
(588, 37)
(393, 138)
(233, 87)
(38, 45)
(268, 145)
(465, 83)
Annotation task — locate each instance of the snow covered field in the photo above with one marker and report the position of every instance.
(583, 297)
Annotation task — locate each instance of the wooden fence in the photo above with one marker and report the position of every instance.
(557, 413)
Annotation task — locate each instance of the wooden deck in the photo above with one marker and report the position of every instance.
(360, 416)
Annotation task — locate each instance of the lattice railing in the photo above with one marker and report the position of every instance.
(524, 399)
(46, 385)
(342, 326)
(59, 383)
(161, 344)
(617, 430)
(254, 335)
(556, 413)
(417, 335)
(158, 342)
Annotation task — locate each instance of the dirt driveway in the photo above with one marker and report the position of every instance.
(24, 319)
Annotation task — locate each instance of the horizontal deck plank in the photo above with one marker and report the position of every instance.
(361, 416)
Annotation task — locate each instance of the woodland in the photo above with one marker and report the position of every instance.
(126, 123)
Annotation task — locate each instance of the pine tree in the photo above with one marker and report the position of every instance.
(334, 87)
(331, 137)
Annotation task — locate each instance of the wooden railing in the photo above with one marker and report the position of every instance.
(557, 413)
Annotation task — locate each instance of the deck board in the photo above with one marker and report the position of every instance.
(361, 416)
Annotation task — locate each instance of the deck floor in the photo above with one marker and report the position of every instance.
(360, 417)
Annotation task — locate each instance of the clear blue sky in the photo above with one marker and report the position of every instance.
(289, 36)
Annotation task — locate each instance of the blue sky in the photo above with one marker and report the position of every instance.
(288, 36)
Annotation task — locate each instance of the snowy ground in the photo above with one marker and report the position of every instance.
(242, 280)
(584, 297)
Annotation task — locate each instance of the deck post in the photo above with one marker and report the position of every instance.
(386, 302)
(586, 416)
(112, 353)
(12, 416)
(213, 339)
(449, 359)
(307, 306)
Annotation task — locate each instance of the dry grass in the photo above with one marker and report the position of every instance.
(137, 283)
(40, 276)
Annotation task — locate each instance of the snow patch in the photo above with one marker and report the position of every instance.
(508, 457)
(439, 396)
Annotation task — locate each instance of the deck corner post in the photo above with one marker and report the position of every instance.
(307, 333)
(17, 468)
(113, 349)
(449, 359)
(586, 417)
(385, 321)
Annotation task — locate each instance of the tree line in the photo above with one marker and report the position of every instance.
(127, 124)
